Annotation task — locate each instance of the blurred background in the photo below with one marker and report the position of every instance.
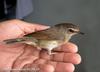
(85, 13)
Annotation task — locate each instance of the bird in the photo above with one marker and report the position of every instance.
(50, 38)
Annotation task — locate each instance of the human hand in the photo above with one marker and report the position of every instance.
(22, 56)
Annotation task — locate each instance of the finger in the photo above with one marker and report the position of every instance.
(62, 67)
(68, 47)
(46, 68)
(67, 58)
(62, 57)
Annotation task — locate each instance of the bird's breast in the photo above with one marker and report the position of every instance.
(48, 44)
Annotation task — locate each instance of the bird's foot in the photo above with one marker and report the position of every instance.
(51, 53)
(39, 48)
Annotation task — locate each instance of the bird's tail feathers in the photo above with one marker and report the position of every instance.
(19, 40)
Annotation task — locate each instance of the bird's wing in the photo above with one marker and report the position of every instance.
(48, 34)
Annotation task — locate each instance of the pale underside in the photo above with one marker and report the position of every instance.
(49, 45)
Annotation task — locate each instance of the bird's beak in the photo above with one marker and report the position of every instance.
(81, 33)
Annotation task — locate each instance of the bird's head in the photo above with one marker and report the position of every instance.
(68, 28)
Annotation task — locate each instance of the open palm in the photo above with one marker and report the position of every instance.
(22, 56)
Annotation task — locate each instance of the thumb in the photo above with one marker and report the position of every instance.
(27, 27)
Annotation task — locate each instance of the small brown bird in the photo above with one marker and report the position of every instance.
(50, 38)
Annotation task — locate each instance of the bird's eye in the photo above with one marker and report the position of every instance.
(71, 30)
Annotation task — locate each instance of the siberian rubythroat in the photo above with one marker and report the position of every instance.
(50, 38)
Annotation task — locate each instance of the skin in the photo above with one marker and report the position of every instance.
(22, 56)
